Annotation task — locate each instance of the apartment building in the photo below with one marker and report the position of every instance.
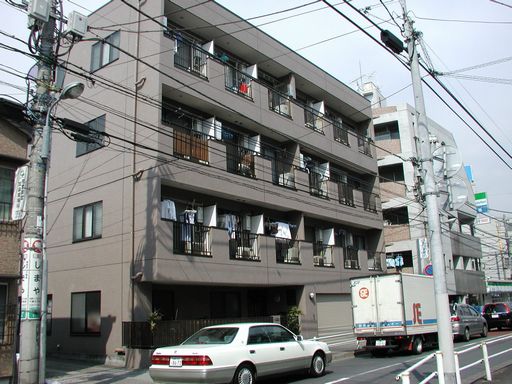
(405, 227)
(14, 137)
(225, 178)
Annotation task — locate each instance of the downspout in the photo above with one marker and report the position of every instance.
(138, 84)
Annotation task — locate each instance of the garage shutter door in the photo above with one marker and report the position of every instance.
(334, 314)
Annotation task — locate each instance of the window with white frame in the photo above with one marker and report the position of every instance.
(86, 313)
(105, 52)
(87, 221)
(94, 138)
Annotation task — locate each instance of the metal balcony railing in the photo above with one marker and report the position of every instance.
(351, 259)
(237, 82)
(364, 145)
(240, 160)
(346, 194)
(244, 246)
(279, 103)
(312, 119)
(369, 201)
(322, 255)
(374, 261)
(287, 251)
(191, 58)
(191, 239)
(340, 133)
(317, 185)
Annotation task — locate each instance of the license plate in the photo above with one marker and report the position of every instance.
(495, 316)
(175, 362)
(380, 343)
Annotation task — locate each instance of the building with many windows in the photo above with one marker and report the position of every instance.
(217, 176)
(14, 137)
(405, 220)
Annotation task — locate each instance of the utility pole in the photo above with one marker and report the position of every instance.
(32, 265)
(444, 327)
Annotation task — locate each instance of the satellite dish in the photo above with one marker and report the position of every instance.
(446, 162)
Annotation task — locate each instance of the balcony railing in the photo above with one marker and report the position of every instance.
(191, 58)
(313, 120)
(322, 255)
(279, 103)
(237, 82)
(317, 185)
(240, 160)
(190, 144)
(283, 172)
(364, 145)
(351, 259)
(340, 133)
(346, 194)
(244, 246)
(374, 261)
(369, 201)
(191, 239)
(287, 251)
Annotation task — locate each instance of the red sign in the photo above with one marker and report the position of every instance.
(364, 293)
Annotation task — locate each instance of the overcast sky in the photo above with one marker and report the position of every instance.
(458, 34)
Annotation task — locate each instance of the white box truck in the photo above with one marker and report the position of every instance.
(394, 312)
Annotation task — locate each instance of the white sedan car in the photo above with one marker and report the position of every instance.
(238, 354)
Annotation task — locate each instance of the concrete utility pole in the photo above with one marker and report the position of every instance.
(32, 265)
(430, 195)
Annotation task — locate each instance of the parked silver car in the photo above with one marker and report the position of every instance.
(467, 322)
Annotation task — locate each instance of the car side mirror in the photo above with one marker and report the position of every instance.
(299, 338)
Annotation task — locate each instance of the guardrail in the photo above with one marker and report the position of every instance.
(405, 375)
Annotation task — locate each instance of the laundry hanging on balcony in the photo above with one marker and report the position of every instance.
(168, 210)
(283, 231)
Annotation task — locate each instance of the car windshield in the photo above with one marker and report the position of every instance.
(212, 336)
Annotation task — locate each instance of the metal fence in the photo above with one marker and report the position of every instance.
(137, 334)
(191, 239)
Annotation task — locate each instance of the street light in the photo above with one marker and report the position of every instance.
(70, 91)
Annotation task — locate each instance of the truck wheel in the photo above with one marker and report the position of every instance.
(417, 346)
(466, 335)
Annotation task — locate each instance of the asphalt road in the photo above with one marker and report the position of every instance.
(345, 369)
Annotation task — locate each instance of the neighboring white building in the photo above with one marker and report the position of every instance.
(494, 232)
(405, 220)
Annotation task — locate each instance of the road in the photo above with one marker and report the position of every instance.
(345, 369)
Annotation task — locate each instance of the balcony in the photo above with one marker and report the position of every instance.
(240, 161)
(279, 103)
(374, 261)
(465, 245)
(322, 255)
(237, 82)
(190, 144)
(364, 145)
(244, 246)
(191, 239)
(313, 120)
(351, 259)
(340, 133)
(318, 185)
(191, 58)
(369, 202)
(346, 194)
(287, 251)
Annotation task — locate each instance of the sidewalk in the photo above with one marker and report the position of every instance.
(499, 376)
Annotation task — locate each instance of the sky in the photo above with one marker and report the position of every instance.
(457, 35)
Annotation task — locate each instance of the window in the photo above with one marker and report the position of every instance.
(87, 221)
(49, 314)
(104, 52)
(95, 137)
(387, 131)
(3, 311)
(6, 191)
(85, 313)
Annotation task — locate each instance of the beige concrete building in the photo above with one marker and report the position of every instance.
(234, 180)
(14, 138)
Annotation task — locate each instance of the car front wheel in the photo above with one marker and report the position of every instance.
(317, 365)
(244, 374)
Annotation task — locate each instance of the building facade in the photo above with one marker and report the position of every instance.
(14, 137)
(405, 220)
(223, 177)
